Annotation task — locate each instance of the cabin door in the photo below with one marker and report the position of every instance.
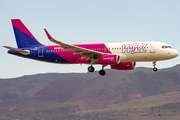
(40, 51)
(153, 47)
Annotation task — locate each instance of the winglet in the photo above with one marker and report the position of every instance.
(52, 39)
(48, 35)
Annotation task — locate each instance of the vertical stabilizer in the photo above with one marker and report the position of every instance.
(24, 37)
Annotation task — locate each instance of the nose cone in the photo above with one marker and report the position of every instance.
(174, 53)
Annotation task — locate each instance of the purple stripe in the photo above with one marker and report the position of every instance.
(19, 25)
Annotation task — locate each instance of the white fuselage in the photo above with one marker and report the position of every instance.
(142, 51)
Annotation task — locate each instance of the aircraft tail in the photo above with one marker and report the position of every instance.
(24, 37)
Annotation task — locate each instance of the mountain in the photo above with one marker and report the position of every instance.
(17, 90)
(158, 107)
(116, 87)
(53, 95)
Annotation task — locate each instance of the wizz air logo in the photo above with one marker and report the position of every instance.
(134, 48)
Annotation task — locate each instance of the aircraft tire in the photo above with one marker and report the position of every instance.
(155, 69)
(102, 72)
(91, 69)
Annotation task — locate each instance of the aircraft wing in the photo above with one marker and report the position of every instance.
(25, 52)
(86, 53)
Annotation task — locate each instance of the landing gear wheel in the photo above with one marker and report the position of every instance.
(102, 72)
(155, 69)
(91, 69)
(154, 64)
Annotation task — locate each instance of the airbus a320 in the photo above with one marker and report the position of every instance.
(120, 56)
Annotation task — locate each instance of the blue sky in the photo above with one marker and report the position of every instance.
(87, 21)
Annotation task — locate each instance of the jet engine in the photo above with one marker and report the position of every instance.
(124, 66)
(109, 59)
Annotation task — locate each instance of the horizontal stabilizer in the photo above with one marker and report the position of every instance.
(24, 52)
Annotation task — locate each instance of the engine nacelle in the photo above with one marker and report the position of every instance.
(83, 60)
(109, 60)
(124, 66)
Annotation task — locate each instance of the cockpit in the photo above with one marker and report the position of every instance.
(164, 47)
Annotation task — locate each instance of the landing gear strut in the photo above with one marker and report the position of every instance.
(154, 64)
(91, 68)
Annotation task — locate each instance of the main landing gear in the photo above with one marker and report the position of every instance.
(154, 64)
(91, 69)
(101, 72)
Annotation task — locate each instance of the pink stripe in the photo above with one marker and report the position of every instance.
(19, 25)
(68, 55)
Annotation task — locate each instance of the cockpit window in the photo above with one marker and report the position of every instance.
(166, 47)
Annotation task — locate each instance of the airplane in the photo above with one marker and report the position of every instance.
(120, 56)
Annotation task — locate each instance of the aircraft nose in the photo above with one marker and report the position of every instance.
(175, 53)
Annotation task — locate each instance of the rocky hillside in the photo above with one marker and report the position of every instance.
(56, 95)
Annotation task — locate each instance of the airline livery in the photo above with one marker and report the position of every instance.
(120, 56)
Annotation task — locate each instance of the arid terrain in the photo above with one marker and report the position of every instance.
(140, 94)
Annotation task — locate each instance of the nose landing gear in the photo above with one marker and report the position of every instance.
(155, 69)
(154, 64)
